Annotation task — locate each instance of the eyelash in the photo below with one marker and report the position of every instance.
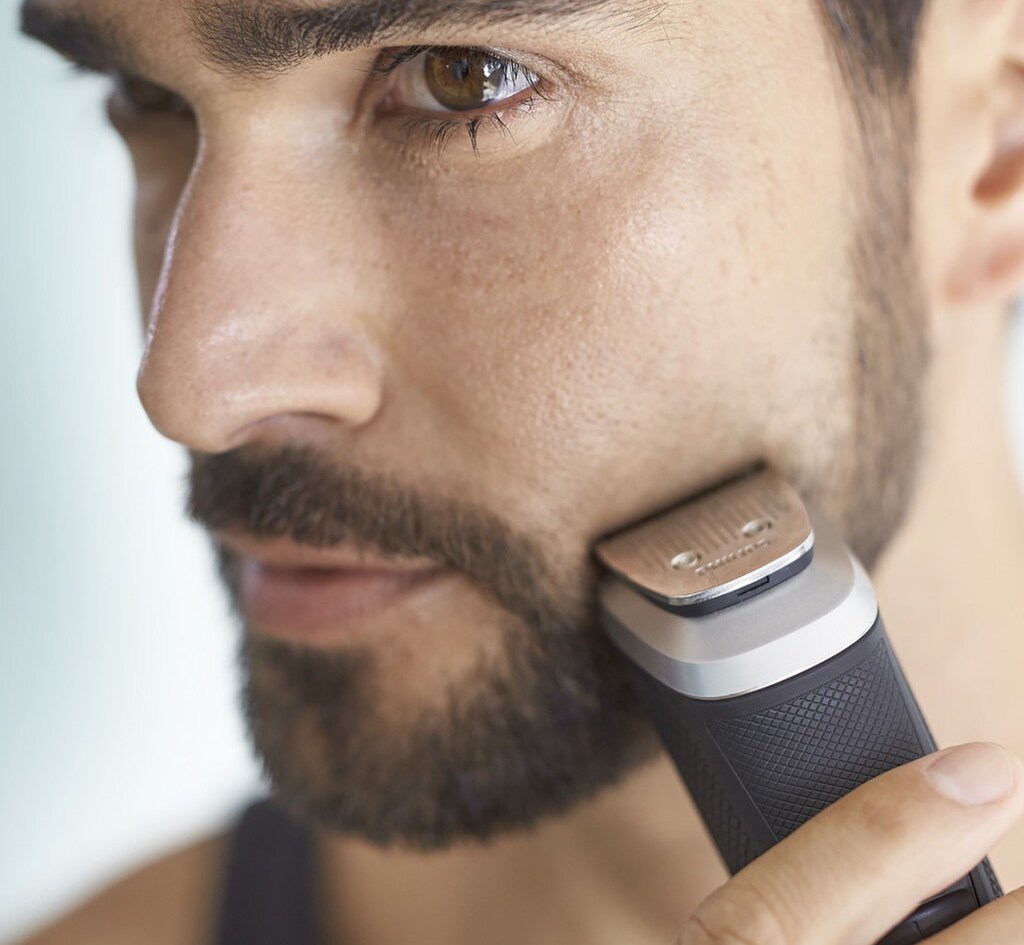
(437, 133)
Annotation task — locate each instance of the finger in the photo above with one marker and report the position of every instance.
(856, 869)
(999, 923)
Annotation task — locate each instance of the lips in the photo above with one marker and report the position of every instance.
(321, 596)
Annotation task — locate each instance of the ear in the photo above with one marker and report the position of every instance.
(983, 260)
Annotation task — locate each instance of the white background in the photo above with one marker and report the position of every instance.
(119, 733)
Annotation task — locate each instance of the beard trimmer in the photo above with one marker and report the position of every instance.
(757, 649)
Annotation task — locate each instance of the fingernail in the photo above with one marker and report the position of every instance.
(973, 774)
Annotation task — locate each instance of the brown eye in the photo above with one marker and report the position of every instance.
(452, 79)
(462, 80)
(425, 95)
(142, 96)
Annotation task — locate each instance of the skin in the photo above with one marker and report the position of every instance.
(307, 282)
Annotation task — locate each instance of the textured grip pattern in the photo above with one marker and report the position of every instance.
(797, 758)
(712, 800)
(990, 875)
(709, 790)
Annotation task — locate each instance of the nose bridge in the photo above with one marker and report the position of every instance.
(253, 317)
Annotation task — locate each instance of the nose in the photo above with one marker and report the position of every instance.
(258, 314)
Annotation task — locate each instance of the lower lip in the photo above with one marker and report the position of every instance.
(321, 605)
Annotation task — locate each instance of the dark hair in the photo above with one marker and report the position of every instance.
(876, 41)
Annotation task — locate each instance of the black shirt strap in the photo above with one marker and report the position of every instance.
(267, 892)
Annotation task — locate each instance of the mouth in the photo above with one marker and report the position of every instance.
(319, 596)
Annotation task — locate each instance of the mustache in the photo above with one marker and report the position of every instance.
(293, 493)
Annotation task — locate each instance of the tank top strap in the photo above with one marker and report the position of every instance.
(267, 890)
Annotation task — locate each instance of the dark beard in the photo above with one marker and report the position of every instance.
(546, 722)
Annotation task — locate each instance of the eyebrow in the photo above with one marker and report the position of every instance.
(95, 44)
(271, 37)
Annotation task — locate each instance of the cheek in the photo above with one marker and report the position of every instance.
(593, 347)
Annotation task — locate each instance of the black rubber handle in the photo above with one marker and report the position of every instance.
(760, 765)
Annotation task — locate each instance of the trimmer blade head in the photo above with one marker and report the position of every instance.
(715, 543)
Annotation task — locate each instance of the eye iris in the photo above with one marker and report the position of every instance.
(463, 81)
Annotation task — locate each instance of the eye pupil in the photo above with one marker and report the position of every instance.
(462, 81)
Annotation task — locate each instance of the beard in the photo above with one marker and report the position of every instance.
(868, 482)
(548, 717)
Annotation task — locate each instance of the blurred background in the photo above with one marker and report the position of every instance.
(119, 732)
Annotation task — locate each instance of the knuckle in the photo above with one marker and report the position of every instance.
(739, 914)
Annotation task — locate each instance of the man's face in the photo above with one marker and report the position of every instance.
(475, 305)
